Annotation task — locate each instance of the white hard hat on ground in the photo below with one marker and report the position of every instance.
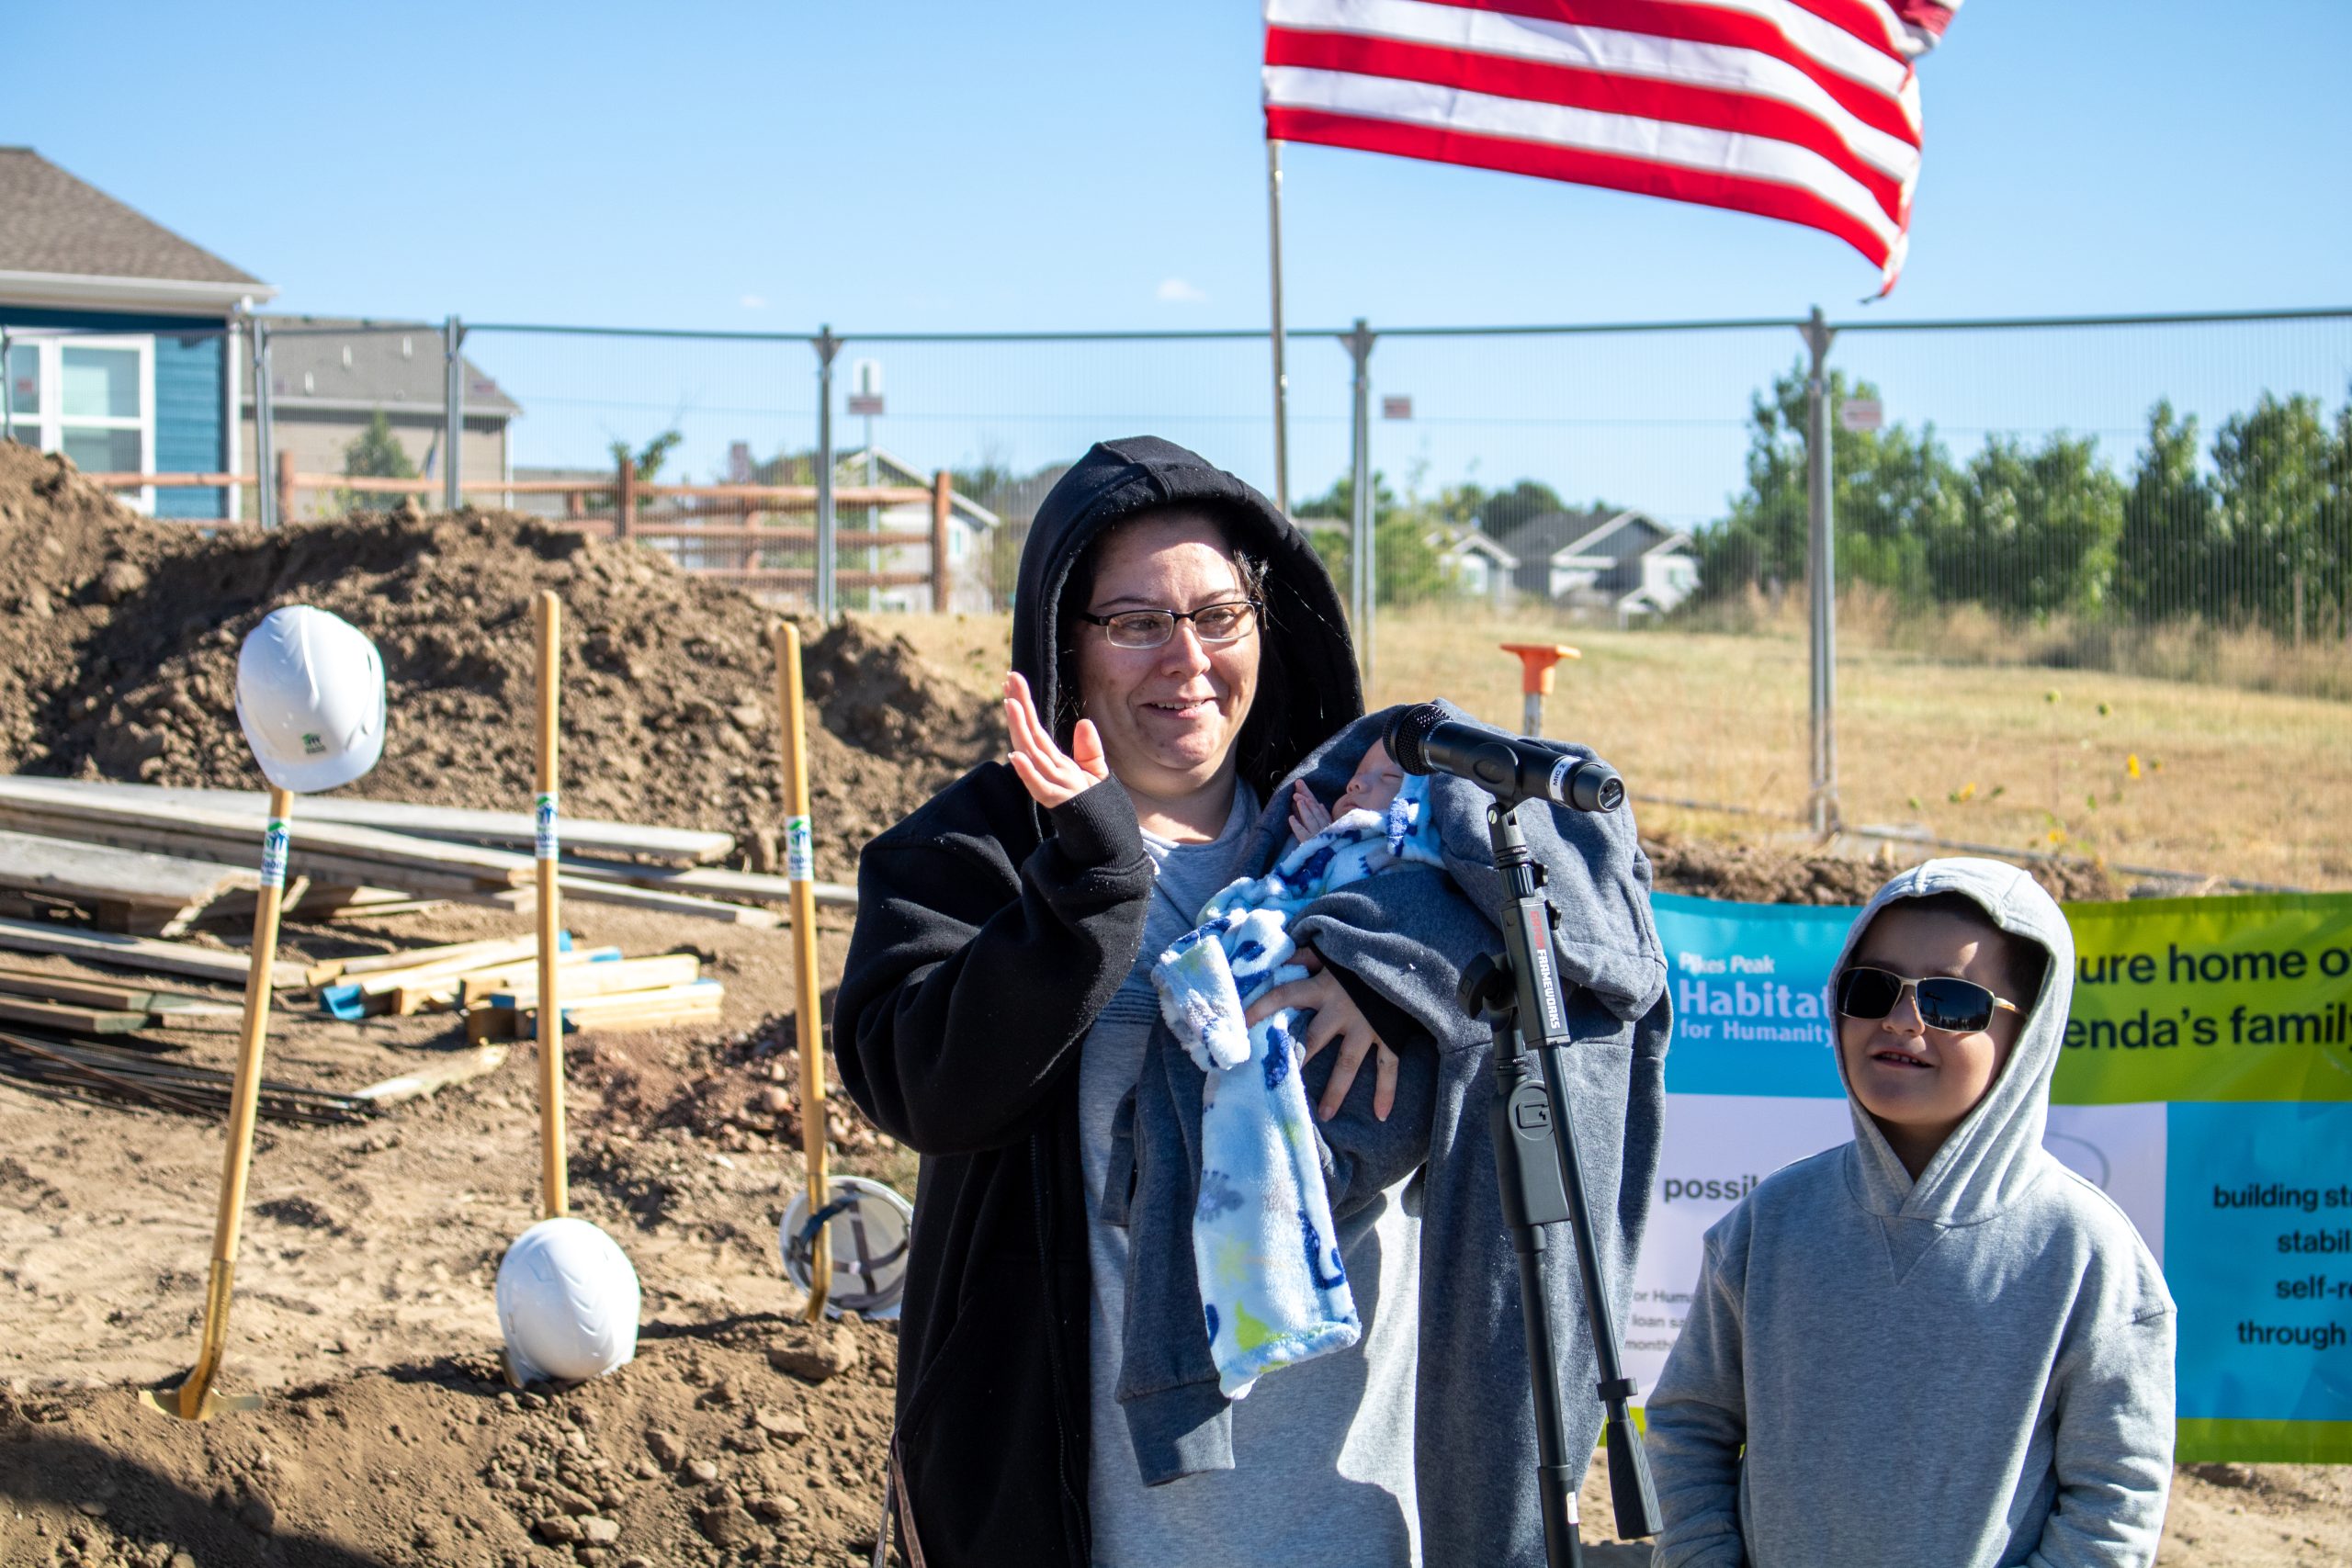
(868, 1225)
(566, 1302)
(311, 697)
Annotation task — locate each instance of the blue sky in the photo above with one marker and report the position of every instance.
(1028, 164)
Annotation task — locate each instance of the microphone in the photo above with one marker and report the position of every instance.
(1511, 768)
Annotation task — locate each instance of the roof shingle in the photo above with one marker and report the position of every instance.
(52, 222)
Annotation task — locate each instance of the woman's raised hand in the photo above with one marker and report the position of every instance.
(1053, 777)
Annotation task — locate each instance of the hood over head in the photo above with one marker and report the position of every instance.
(1307, 685)
(1996, 1154)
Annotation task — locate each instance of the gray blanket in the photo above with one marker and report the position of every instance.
(1409, 933)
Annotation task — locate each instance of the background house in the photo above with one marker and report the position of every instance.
(329, 379)
(122, 351)
(1473, 565)
(1625, 562)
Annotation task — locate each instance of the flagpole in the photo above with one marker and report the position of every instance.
(1274, 266)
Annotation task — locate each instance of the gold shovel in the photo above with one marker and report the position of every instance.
(193, 1399)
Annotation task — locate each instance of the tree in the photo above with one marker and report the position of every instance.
(2037, 532)
(1504, 511)
(648, 459)
(2170, 538)
(1404, 568)
(1893, 490)
(2272, 469)
(374, 454)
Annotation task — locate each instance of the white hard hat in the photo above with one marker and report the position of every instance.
(566, 1302)
(311, 697)
(868, 1225)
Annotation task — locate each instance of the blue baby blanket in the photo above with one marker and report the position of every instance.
(1272, 1285)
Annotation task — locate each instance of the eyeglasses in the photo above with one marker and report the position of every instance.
(1212, 623)
(1956, 1007)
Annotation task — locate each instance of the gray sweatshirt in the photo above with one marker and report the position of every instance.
(1974, 1369)
(1407, 934)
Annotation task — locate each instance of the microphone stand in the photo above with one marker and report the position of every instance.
(1543, 1184)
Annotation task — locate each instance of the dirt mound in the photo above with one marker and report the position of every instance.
(118, 644)
(700, 1452)
(1760, 873)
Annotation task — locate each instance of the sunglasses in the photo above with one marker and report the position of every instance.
(1956, 1007)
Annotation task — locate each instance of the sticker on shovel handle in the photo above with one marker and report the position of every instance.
(799, 849)
(274, 847)
(543, 827)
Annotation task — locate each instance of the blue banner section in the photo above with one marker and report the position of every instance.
(2259, 1205)
(1749, 1013)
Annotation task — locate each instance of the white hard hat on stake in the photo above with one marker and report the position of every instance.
(311, 697)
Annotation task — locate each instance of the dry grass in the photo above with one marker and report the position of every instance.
(2245, 658)
(2242, 784)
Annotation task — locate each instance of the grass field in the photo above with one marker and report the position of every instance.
(2229, 782)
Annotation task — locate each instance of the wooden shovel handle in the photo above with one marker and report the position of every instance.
(808, 986)
(554, 1178)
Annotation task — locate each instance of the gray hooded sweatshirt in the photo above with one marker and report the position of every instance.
(1973, 1369)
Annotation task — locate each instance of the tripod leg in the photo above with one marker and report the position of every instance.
(1532, 1198)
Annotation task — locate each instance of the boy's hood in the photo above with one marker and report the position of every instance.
(1315, 691)
(1995, 1154)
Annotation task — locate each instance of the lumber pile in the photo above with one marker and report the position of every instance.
(146, 860)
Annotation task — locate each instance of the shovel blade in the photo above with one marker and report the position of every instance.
(201, 1404)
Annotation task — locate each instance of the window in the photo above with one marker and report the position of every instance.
(92, 398)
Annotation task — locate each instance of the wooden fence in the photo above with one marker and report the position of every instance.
(626, 507)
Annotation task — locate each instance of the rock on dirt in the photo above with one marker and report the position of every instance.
(814, 1352)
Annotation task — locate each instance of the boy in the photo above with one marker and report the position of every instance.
(1935, 1344)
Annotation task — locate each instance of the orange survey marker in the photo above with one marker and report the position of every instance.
(1537, 661)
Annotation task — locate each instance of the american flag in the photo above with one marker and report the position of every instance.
(1805, 110)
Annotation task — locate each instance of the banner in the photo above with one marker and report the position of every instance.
(2206, 1086)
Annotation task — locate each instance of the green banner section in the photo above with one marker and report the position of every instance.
(2240, 998)
(2207, 1441)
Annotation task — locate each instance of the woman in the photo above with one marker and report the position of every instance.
(1178, 649)
(996, 1002)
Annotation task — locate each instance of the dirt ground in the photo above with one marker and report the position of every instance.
(364, 1296)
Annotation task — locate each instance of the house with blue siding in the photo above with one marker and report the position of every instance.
(118, 339)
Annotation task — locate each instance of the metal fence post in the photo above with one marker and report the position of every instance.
(1282, 381)
(1362, 581)
(8, 393)
(452, 409)
(1821, 571)
(827, 346)
(266, 497)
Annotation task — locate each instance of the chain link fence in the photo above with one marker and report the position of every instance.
(2055, 542)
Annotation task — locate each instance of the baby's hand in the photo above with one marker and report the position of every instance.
(1308, 815)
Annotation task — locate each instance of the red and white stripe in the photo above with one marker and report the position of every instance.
(1805, 110)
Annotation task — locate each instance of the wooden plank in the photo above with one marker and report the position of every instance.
(67, 1019)
(512, 829)
(479, 984)
(123, 890)
(449, 989)
(58, 800)
(592, 891)
(715, 881)
(329, 969)
(139, 952)
(697, 1003)
(374, 993)
(460, 1067)
(661, 973)
(240, 845)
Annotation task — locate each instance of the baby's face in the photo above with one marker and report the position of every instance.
(1377, 780)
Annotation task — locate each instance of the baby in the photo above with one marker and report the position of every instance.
(1377, 779)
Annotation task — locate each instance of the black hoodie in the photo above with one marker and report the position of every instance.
(989, 935)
